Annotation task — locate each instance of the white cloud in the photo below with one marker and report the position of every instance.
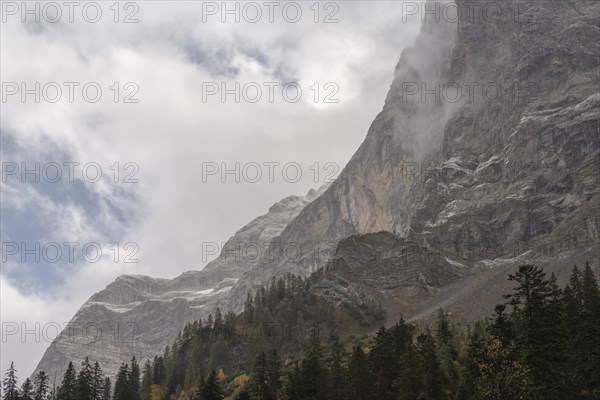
(171, 132)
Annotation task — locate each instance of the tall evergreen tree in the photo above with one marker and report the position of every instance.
(146, 388)
(432, 372)
(383, 361)
(360, 381)
(159, 371)
(313, 385)
(410, 381)
(587, 335)
(67, 389)
(211, 389)
(502, 327)
(84, 381)
(41, 386)
(134, 379)
(122, 389)
(337, 375)
(538, 310)
(106, 389)
(258, 385)
(9, 384)
(26, 390)
(274, 373)
(97, 382)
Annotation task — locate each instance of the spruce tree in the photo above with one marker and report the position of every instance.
(337, 376)
(97, 382)
(41, 383)
(158, 371)
(84, 381)
(274, 373)
(538, 310)
(432, 372)
(313, 376)
(26, 390)
(359, 377)
(384, 366)
(502, 327)
(122, 389)
(134, 379)
(67, 389)
(106, 389)
(587, 357)
(258, 385)
(410, 381)
(211, 389)
(9, 384)
(146, 388)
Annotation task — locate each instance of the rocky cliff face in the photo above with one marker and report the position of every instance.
(486, 149)
(139, 315)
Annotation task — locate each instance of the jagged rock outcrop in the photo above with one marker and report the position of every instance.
(138, 315)
(401, 275)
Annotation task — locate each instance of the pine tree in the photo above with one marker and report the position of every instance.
(218, 323)
(122, 389)
(359, 376)
(97, 382)
(67, 389)
(9, 384)
(274, 373)
(159, 371)
(432, 372)
(134, 379)
(538, 310)
(84, 383)
(146, 388)
(384, 366)
(292, 388)
(313, 376)
(502, 327)
(587, 336)
(26, 390)
(248, 310)
(337, 376)
(410, 381)
(106, 389)
(41, 383)
(259, 381)
(211, 389)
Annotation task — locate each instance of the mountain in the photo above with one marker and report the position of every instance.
(446, 194)
(139, 315)
(488, 177)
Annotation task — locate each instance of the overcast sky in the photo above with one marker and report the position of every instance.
(160, 207)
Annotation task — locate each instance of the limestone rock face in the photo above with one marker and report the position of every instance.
(508, 166)
(138, 315)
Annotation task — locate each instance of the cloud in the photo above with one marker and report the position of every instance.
(171, 133)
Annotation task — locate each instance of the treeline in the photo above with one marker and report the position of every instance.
(89, 384)
(283, 315)
(543, 343)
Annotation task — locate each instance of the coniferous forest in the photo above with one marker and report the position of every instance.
(541, 343)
